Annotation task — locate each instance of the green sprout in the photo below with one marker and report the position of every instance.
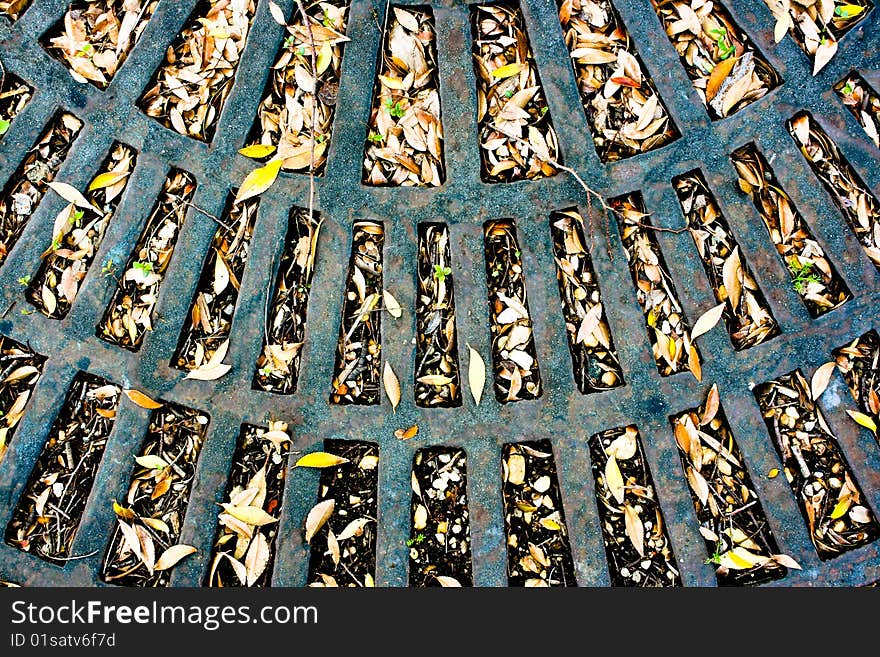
(301, 51)
(544, 110)
(87, 51)
(56, 243)
(24, 280)
(847, 90)
(804, 274)
(326, 20)
(441, 272)
(375, 137)
(394, 108)
(415, 540)
(508, 93)
(144, 267)
(26, 311)
(108, 268)
(76, 218)
(320, 138)
(725, 48)
(266, 370)
(4, 126)
(716, 556)
(288, 42)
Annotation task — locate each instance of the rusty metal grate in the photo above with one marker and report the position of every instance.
(561, 419)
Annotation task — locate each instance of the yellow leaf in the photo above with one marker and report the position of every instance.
(741, 559)
(841, 507)
(158, 525)
(151, 461)
(391, 83)
(718, 76)
(259, 180)
(774, 472)
(406, 434)
(324, 57)
(614, 479)
(392, 385)
(142, 400)
(249, 514)
(508, 71)
(864, 420)
(257, 151)
(476, 374)
(107, 179)
(319, 460)
(122, 511)
(173, 555)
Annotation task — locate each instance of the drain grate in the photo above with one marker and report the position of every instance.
(178, 282)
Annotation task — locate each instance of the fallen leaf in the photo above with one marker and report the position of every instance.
(209, 374)
(354, 528)
(142, 400)
(391, 304)
(173, 555)
(476, 374)
(508, 70)
(107, 179)
(72, 195)
(635, 530)
(392, 385)
(707, 321)
(614, 479)
(277, 13)
(249, 514)
(786, 561)
(406, 434)
(319, 460)
(820, 380)
(447, 582)
(151, 461)
(718, 76)
(864, 420)
(257, 558)
(259, 180)
(774, 472)
(257, 151)
(318, 515)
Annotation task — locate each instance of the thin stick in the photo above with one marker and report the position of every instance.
(314, 66)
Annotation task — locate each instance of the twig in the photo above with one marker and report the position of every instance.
(314, 72)
(209, 215)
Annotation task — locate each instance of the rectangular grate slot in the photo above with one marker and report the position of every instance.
(440, 537)
(624, 110)
(739, 540)
(204, 340)
(594, 359)
(727, 70)
(538, 551)
(190, 87)
(45, 520)
(667, 326)
(813, 275)
(28, 185)
(747, 315)
(514, 359)
(129, 315)
(349, 557)
(859, 363)
(77, 236)
(817, 28)
(359, 349)
(634, 531)
(142, 549)
(20, 369)
(863, 102)
(516, 135)
(278, 365)
(437, 376)
(13, 9)
(827, 492)
(284, 121)
(853, 197)
(95, 37)
(244, 544)
(404, 146)
(15, 93)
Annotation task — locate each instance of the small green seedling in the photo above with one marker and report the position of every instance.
(24, 280)
(415, 540)
(804, 274)
(144, 267)
(440, 272)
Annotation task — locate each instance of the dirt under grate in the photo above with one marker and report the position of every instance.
(560, 421)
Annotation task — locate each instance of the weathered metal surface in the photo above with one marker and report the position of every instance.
(561, 414)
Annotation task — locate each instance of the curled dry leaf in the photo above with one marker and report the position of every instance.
(392, 385)
(318, 515)
(173, 555)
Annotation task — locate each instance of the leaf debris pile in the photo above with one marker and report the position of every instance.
(28, 185)
(129, 315)
(828, 494)
(851, 195)
(593, 356)
(739, 539)
(863, 102)
(623, 107)
(294, 99)
(359, 349)
(515, 361)
(341, 528)
(404, 144)
(145, 544)
(15, 93)
(859, 363)
(437, 376)
(727, 71)
(538, 550)
(189, 89)
(516, 134)
(812, 274)
(817, 25)
(634, 531)
(205, 340)
(439, 542)
(668, 328)
(20, 369)
(77, 235)
(747, 314)
(244, 547)
(45, 520)
(95, 37)
(278, 365)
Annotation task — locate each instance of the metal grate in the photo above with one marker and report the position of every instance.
(561, 419)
